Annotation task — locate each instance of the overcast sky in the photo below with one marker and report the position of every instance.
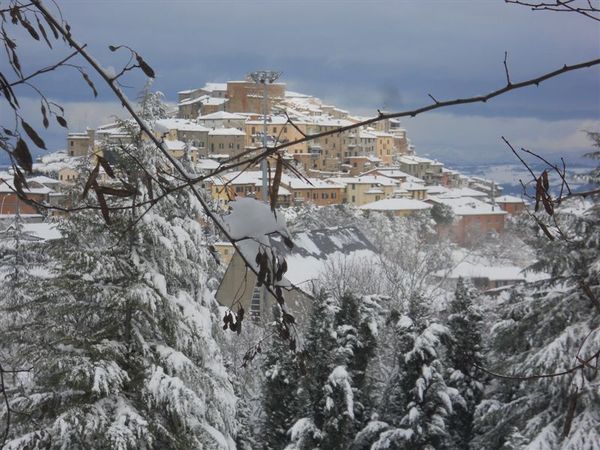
(359, 55)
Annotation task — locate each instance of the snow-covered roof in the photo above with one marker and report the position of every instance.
(468, 206)
(396, 204)
(316, 250)
(509, 199)
(210, 87)
(312, 183)
(7, 186)
(388, 172)
(165, 125)
(292, 94)
(412, 159)
(226, 132)
(272, 120)
(175, 145)
(410, 186)
(494, 273)
(42, 179)
(464, 192)
(191, 101)
(379, 180)
(206, 164)
(327, 121)
(215, 101)
(437, 190)
(43, 230)
(221, 115)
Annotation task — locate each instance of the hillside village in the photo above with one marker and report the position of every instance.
(372, 168)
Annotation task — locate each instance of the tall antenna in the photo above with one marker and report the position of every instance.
(264, 77)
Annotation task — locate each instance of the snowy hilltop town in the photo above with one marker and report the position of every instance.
(343, 293)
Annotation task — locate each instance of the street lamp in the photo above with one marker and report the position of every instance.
(264, 77)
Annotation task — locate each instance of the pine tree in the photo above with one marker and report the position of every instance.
(417, 402)
(546, 328)
(464, 354)
(340, 344)
(281, 404)
(120, 335)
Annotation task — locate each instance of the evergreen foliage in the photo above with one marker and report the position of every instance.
(547, 328)
(120, 333)
(417, 401)
(464, 355)
(340, 344)
(281, 404)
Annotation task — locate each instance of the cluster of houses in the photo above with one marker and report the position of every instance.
(373, 168)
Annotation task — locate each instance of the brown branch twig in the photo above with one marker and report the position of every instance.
(568, 371)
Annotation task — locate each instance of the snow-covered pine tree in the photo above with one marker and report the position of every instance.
(417, 402)
(340, 344)
(120, 336)
(463, 355)
(547, 328)
(281, 399)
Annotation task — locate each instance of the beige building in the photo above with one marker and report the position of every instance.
(384, 146)
(247, 96)
(80, 144)
(399, 207)
(278, 131)
(365, 189)
(184, 130)
(313, 191)
(222, 119)
(229, 141)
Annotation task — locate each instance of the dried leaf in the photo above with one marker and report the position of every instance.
(106, 166)
(53, 28)
(91, 180)
(539, 191)
(144, 66)
(90, 84)
(37, 140)
(276, 181)
(34, 34)
(23, 156)
(62, 122)
(45, 117)
(545, 182)
(548, 205)
(103, 207)
(43, 31)
(570, 413)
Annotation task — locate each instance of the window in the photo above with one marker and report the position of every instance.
(239, 189)
(274, 129)
(255, 303)
(353, 199)
(221, 145)
(353, 186)
(333, 195)
(324, 195)
(285, 129)
(253, 130)
(231, 145)
(72, 143)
